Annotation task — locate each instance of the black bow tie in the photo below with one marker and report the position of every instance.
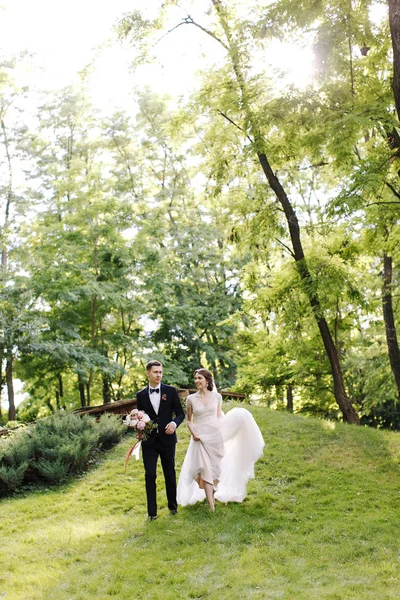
(156, 390)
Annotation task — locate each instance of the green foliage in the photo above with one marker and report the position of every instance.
(109, 430)
(11, 477)
(157, 234)
(15, 455)
(62, 444)
(330, 141)
(54, 448)
(53, 469)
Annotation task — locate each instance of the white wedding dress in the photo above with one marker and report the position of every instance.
(225, 455)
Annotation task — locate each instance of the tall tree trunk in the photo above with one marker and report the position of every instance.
(289, 398)
(61, 391)
(88, 386)
(60, 385)
(388, 315)
(10, 388)
(4, 263)
(58, 394)
(49, 405)
(394, 22)
(2, 380)
(390, 326)
(9, 197)
(106, 390)
(257, 139)
(349, 414)
(81, 387)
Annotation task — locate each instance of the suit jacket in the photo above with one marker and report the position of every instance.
(170, 405)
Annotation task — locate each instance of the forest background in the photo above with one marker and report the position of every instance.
(248, 224)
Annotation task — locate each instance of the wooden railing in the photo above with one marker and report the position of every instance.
(122, 407)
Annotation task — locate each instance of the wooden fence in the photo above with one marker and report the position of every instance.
(122, 407)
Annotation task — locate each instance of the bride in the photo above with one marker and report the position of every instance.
(222, 449)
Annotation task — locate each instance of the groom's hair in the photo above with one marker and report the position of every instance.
(208, 376)
(153, 363)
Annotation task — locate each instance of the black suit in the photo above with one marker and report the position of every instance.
(160, 444)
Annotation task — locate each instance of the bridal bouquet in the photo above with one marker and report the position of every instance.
(143, 425)
(139, 420)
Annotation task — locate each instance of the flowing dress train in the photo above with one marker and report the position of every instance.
(225, 455)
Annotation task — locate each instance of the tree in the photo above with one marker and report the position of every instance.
(82, 263)
(14, 293)
(354, 62)
(185, 271)
(250, 121)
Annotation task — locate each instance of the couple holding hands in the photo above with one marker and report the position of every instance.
(222, 450)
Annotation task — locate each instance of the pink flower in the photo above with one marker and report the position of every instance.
(164, 397)
(134, 412)
(140, 425)
(140, 414)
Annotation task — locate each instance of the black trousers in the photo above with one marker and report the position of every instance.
(150, 458)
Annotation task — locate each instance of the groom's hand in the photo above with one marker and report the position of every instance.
(170, 428)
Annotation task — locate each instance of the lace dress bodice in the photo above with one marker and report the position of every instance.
(204, 414)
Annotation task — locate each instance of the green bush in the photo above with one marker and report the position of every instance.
(63, 425)
(15, 454)
(12, 477)
(110, 430)
(52, 470)
(54, 448)
(63, 444)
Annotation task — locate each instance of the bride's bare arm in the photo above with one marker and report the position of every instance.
(219, 408)
(190, 421)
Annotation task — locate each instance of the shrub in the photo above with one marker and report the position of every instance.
(12, 477)
(54, 448)
(63, 424)
(52, 470)
(15, 454)
(63, 444)
(110, 430)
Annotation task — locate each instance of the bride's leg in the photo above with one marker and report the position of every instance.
(200, 482)
(209, 490)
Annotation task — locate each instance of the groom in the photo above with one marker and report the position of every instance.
(161, 402)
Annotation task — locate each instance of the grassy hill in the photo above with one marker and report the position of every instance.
(321, 521)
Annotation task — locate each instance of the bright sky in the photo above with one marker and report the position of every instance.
(62, 34)
(67, 35)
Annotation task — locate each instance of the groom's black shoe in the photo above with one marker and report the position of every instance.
(174, 511)
(152, 518)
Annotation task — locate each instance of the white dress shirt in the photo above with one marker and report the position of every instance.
(155, 398)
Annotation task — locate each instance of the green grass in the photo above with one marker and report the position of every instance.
(321, 521)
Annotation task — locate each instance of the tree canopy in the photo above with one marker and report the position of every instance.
(251, 226)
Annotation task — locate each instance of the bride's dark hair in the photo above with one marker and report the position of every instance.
(208, 375)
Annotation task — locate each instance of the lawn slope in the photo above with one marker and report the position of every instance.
(321, 521)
